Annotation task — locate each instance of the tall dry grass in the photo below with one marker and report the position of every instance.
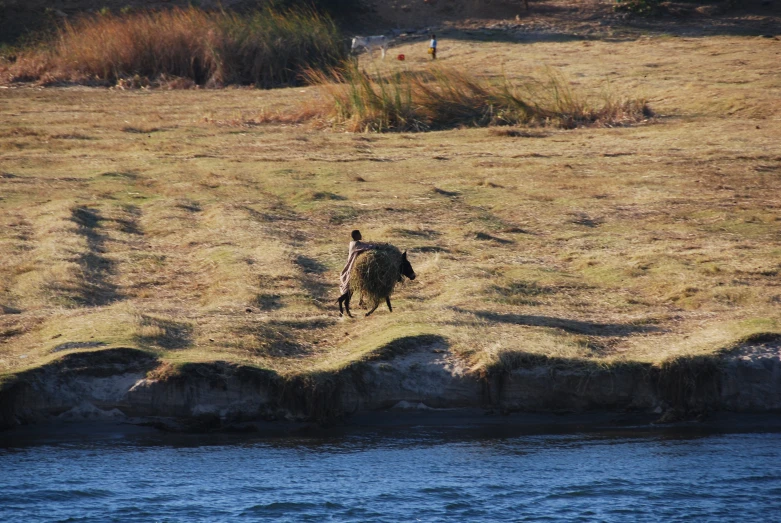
(445, 98)
(266, 48)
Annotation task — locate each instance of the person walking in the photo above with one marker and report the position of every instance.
(355, 247)
(432, 47)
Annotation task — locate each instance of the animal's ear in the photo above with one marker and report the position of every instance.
(404, 255)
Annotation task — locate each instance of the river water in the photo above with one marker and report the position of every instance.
(405, 474)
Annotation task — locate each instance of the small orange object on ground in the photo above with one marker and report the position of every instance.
(401, 57)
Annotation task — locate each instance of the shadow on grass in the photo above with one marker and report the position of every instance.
(96, 288)
(154, 331)
(7, 309)
(78, 345)
(311, 279)
(130, 225)
(482, 236)
(268, 302)
(522, 293)
(273, 339)
(510, 36)
(568, 325)
(428, 249)
(310, 265)
(420, 233)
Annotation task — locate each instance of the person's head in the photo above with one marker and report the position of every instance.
(433, 37)
(356, 234)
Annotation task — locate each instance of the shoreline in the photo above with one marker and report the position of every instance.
(450, 426)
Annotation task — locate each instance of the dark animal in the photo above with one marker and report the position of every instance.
(375, 275)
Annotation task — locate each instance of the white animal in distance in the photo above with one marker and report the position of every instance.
(370, 42)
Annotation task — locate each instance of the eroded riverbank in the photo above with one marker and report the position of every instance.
(127, 384)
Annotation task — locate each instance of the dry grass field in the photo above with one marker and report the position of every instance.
(203, 225)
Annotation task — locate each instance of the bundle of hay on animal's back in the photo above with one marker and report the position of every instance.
(375, 274)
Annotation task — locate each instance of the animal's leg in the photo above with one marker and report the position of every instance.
(377, 304)
(387, 300)
(383, 52)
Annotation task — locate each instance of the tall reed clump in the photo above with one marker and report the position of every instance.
(445, 98)
(266, 48)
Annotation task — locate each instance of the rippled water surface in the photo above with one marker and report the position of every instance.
(405, 475)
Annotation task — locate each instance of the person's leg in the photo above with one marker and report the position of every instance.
(345, 298)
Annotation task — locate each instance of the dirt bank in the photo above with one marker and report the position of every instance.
(121, 383)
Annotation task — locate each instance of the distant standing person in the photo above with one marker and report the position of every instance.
(432, 47)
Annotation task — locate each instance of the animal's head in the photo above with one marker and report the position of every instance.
(406, 268)
(354, 44)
